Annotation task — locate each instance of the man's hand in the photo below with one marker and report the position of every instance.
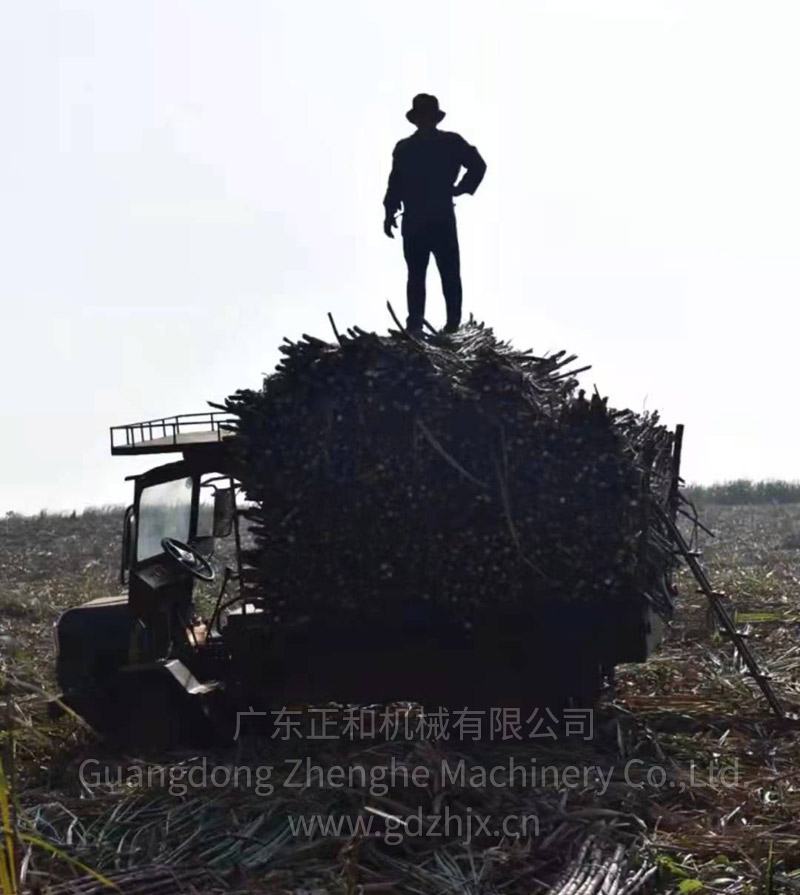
(458, 190)
(389, 224)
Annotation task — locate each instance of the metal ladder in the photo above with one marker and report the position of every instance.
(722, 616)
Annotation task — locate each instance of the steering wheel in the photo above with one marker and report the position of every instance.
(188, 558)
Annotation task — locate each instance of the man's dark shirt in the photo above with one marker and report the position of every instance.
(424, 170)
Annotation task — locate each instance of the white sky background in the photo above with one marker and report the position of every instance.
(183, 183)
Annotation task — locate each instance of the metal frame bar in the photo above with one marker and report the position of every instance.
(238, 541)
(674, 491)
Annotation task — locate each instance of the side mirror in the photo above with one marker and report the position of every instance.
(127, 545)
(224, 511)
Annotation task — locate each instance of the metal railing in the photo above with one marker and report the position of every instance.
(171, 428)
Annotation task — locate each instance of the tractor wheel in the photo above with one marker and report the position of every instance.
(144, 714)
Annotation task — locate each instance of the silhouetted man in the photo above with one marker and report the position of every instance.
(425, 167)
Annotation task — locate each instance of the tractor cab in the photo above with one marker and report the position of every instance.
(151, 642)
(170, 534)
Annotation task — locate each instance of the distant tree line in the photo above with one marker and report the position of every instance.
(87, 513)
(745, 491)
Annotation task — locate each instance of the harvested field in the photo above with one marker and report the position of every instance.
(692, 786)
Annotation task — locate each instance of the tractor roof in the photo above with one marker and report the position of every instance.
(172, 434)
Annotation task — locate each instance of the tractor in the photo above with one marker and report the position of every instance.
(187, 647)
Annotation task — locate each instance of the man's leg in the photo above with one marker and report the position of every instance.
(448, 260)
(417, 252)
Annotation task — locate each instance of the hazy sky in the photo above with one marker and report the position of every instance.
(185, 182)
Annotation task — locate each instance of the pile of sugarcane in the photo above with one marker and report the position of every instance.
(459, 471)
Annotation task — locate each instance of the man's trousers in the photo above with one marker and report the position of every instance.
(420, 239)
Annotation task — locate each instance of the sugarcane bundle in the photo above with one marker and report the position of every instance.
(461, 472)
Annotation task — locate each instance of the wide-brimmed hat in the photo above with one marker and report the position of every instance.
(424, 106)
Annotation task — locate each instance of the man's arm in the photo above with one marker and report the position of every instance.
(470, 159)
(392, 199)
